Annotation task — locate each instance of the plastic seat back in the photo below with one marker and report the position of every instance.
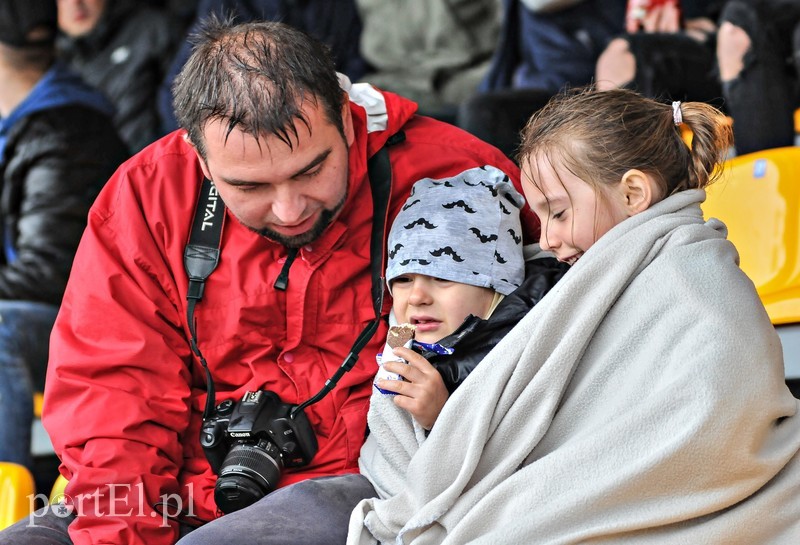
(16, 493)
(57, 492)
(758, 198)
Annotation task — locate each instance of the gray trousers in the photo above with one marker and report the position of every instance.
(312, 512)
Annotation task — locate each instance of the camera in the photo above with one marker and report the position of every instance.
(250, 442)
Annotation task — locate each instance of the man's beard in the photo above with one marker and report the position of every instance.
(297, 241)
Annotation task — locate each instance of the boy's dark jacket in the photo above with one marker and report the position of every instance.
(476, 336)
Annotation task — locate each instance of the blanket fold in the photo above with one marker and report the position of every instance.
(641, 401)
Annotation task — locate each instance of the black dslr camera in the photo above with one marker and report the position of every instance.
(249, 443)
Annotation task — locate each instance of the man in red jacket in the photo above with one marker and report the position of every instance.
(285, 143)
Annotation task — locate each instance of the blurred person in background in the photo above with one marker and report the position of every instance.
(668, 51)
(434, 52)
(58, 147)
(544, 45)
(758, 52)
(123, 49)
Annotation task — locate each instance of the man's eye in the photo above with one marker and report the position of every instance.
(313, 172)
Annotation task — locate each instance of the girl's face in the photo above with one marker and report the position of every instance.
(437, 307)
(572, 213)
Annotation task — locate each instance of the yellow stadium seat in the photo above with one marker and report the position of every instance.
(16, 493)
(688, 135)
(57, 492)
(758, 198)
(38, 402)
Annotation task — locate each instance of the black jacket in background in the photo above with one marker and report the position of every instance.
(56, 162)
(125, 57)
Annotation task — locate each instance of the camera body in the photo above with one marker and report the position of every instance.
(250, 442)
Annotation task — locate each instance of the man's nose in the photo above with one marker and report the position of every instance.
(288, 207)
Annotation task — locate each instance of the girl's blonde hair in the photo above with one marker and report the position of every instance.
(600, 135)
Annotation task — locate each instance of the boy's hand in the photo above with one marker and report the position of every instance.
(424, 394)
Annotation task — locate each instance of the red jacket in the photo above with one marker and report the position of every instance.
(124, 395)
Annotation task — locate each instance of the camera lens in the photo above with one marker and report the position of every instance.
(248, 473)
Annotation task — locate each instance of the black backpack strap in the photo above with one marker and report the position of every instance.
(379, 170)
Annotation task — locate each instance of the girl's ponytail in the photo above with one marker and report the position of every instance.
(712, 137)
(600, 135)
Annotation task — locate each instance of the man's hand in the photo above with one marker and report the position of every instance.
(663, 18)
(424, 394)
(666, 19)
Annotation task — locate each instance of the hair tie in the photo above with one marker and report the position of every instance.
(677, 117)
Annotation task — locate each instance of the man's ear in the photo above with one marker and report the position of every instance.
(347, 122)
(202, 161)
(639, 191)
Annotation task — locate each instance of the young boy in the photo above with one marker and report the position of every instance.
(457, 273)
(454, 253)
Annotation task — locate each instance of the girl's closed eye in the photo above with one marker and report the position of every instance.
(558, 215)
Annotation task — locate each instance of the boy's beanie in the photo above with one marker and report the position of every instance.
(465, 229)
(19, 17)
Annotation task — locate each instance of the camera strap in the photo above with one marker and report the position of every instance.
(200, 258)
(202, 253)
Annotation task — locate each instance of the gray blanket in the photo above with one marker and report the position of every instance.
(641, 401)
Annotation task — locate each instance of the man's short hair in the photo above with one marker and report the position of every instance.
(256, 76)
